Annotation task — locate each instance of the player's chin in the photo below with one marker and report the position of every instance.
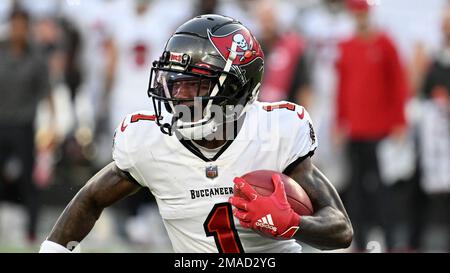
(186, 113)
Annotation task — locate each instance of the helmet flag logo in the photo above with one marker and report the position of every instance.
(248, 49)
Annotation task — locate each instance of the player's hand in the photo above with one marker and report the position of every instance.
(270, 215)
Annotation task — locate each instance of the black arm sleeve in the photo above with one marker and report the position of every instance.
(429, 82)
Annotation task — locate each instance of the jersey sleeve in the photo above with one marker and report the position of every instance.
(300, 141)
(122, 153)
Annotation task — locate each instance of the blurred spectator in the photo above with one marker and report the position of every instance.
(72, 50)
(287, 75)
(42, 8)
(206, 7)
(242, 10)
(323, 26)
(91, 25)
(435, 134)
(24, 81)
(422, 22)
(5, 7)
(418, 38)
(135, 44)
(371, 95)
(49, 40)
(416, 41)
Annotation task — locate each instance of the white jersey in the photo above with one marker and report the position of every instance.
(434, 128)
(192, 193)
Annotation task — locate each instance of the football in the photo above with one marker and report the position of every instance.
(261, 181)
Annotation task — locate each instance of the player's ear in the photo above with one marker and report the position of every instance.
(278, 184)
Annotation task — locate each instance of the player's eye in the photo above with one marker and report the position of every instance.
(191, 89)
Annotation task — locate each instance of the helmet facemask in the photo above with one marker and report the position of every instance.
(195, 97)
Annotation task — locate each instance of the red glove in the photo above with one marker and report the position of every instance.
(270, 215)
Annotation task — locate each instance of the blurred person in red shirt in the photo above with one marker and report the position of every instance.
(24, 82)
(371, 97)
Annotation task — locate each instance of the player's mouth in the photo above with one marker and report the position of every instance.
(189, 112)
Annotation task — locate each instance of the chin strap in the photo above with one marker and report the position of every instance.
(199, 132)
(166, 129)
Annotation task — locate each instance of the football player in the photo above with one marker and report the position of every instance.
(191, 163)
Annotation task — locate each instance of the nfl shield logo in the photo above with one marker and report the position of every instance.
(212, 172)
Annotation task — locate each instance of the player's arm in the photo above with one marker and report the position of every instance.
(330, 226)
(104, 189)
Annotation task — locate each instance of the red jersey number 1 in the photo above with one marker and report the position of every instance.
(288, 106)
(220, 224)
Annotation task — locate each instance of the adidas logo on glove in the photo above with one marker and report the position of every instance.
(266, 222)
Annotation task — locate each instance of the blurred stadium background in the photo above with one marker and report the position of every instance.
(96, 58)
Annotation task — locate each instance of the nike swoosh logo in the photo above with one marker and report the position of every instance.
(123, 127)
(302, 115)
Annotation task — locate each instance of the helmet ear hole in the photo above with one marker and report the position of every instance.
(244, 94)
